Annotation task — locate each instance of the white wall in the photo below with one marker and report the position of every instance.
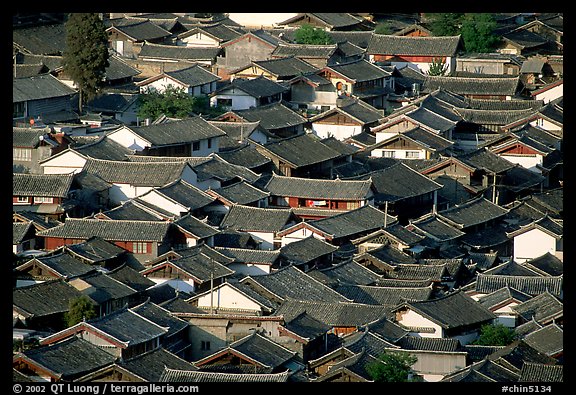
(160, 85)
(266, 239)
(340, 132)
(66, 163)
(533, 244)
(240, 100)
(126, 138)
(181, 285)
(551, 94)
(299, 235)
(249, 269)
(227, 297)
(260, 19)
(156, 199)
(527, 162)
(413, 319)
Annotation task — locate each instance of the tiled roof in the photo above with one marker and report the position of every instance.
(178, 131)
(306, 326)
(247, 218)
(218, 168)
(20, 231)
(247, 255)
(126, 275)
(329, 19)
(302, 150)
(112, 230)
(29, 137)
(103, 148)
(334, 313)
(407, 271)
(136, 210)
(381, 44)
(41, 40)
(432, 226)
(390, 255)
(304, 50)
(290, 283)
(218, 30)
(387, 329)
(453, 310)
(318, 189)
(178, 52)
(137, 173)
(531, 285)
(548, 340)
(186, 194)
(112, 101)
(357, 109)
(546, 264)
(386, 296)
(369, 342)
(161, 316)
(198, 376)
(472, 213)
(102, 288)
(541, 373)
(39, 87)
(359, 71)
(199, 266)
(258, 87)
(150, 366)
(44, 299)
(285, 68)
(240, 193)
(472, 85)
(306, 250)
(542, 308)
(195, 75)
(399, 182)
(138, 30)
(348, 272)
(263, 350)
(503, 295)
(69, 359)
(272, 116)
(49, 185)
(482, 371)
(65, 265)
(429, 344)
(196, 227)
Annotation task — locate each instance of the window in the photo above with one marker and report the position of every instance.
(224, 102)
(22, 154)
(209, 143)
(412, 154)
(204, 345)
(18, 111)
(43, 199)
(388, 154)
(22, 199)
(196, 146)
(139, 247)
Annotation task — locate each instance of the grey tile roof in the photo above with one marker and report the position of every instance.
(347, 272)
(161, 316)
(486, 160)
(178, 52)
(507, 86)
(429, 344)
(306, 326)
(263, 350)
(548, 340)
(196, 227)
(546, 264)
(290, 283)
(138, 173)
(472, 213)
(273, 116)
(126, 275)
(399, 182)
(48, 185)
(351, 223)
(304, 50)
(29, 137)
(136, 210)
(453, 310)
(541, 373)
(359, 71)
(43, 299)
(119, 69)
(63, 265)
(334, 313)
(69, 359)
(306, 250)
(503, 295)
(151, 365)
(247, 218)
(386, 296)
(178, 131)
(112, 102)
(531, 285)
(542, 308)
(103, 148)
(332, 20)
(20, 231)
(407, 271)
(247, 255)
(381, 44)
(220, 31)
(258, 87)
(240, 193)
(318, 189)
(387, 329)
(41, 40)
(101, 288)
(512, 268)
(220, 169)
(491, 236)
(198, 376)
(138, 30)
(368, 342)
(39, 87)
(431, 225)
(389, 255)
(245, 155)
(186, 194)
(111, 230)
(301, 150)
(195, 75)
(199, 266)
(482, 371)
(285, 68)
(359, 38)
(128, 327)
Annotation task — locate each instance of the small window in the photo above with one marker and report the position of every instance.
(388, 154)
(205, 345)
(412, 154)
(43, 199)
(196, 146)
(139, 247)
(22, 199)
(209, 143)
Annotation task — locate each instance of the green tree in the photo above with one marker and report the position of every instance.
(495, 335)
(392, 367)
(478, 32)
(307, 34)
(85, 57)
(174, 102)
(81, 308)
(445, 24)
(383, 28)
(437, 67)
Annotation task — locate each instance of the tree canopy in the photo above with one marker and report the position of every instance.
(81, 308)
(392, 367)
(476, 29)
(495, 335)
(85, 57)
(307, 34)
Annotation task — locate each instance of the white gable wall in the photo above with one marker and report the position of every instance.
(550, 94)
(126, 138)
(414, 320)
(66, 163)
(161, 84)
(250, 269)
(300, 234)
(266, 239)
(532, 244)
(166, 204)
(339, 132)
(240, 99)
(228, 298)
(198, 39)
